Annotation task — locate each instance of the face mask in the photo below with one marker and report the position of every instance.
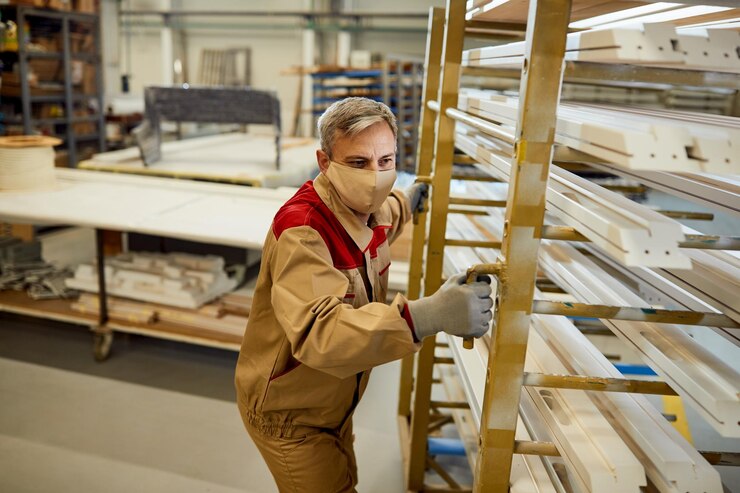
(362, 190)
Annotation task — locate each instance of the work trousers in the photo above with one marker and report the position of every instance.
(320, 462)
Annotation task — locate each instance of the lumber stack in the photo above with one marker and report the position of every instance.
(632, 233)
(638, 139)
(223, 315)
(556, 346)
(639, 43)
(175, 279)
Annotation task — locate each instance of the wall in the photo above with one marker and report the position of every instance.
(276, 43)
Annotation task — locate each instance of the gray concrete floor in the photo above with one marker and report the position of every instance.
(157, 416)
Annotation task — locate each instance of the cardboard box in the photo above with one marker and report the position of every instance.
(86, 6)
(61, 159)
(46, 70)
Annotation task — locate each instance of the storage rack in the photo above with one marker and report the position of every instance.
(402, 86)
(64, 22)
(327, 89)
(418, 414)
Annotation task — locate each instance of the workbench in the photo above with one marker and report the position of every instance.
(245, 159)
(205, 212)
(211, 213)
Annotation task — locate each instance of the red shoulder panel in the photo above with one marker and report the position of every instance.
(306, 208)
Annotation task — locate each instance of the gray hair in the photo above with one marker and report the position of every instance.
(351, 116)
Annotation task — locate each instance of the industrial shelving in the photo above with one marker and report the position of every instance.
(62, 26)
(529, 151)
(402, 86)
(332, 86)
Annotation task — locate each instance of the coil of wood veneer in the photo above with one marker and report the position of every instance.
(27, 162)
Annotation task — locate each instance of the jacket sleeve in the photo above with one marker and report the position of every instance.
(324, 333)
(400, 210)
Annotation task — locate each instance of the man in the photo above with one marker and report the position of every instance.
(319, 321)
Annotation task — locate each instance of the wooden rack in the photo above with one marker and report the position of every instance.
(499, 443)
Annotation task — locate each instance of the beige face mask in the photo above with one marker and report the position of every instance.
(362, 190)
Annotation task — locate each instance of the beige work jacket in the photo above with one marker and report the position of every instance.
(319, 321)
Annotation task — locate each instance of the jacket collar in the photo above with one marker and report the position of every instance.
(360, 233)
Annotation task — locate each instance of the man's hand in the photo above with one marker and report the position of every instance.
(417, 194)
(456, 308)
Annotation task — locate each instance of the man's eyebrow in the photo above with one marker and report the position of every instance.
(392, 154)
(347, 158)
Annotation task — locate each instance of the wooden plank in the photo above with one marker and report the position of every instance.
(633, 234)
(648, 43)
(670, 462)
(60, 310)
(528, 473)
(593, 452)
(635, 139)
(706, 382)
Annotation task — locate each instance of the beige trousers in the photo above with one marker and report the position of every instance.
(321, 462)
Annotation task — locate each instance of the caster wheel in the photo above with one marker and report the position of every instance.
(101, 345)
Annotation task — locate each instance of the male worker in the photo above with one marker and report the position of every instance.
(319, 321)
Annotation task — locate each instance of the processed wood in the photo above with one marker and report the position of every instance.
(634, 234)
(671, 463)
(636, 43)
(656, 287)
(710, 48)
(721, 193)
(120, 309)
(596, 456)
(705, 381)
(714, 277)
(634, 139)
(144, 276)
(209, 318)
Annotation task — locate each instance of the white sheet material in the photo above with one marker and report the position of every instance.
(649, 140)
(235, 155)
(704, 380)
(639, 43)
(207, 212)
(631, 233)
(596, 456)
(672, 464)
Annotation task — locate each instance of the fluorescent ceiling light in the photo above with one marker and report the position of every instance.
(623, 14)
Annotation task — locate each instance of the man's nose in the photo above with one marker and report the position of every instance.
(373, 166)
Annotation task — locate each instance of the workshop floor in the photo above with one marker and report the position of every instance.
(157, 416)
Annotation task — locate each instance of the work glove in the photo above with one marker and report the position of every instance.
(417, 194)
(457, 308)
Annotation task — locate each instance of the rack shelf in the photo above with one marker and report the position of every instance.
(56, 65)
(526, 416)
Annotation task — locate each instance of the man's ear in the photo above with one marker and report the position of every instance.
(323, 160)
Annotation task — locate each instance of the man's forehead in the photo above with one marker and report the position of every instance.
(369, 141)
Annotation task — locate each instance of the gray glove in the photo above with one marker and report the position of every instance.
(417, 194)
(456, 308)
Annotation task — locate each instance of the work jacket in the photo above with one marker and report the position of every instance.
(319, 321)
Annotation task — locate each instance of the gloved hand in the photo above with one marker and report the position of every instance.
(456, 308)
(417, 194)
